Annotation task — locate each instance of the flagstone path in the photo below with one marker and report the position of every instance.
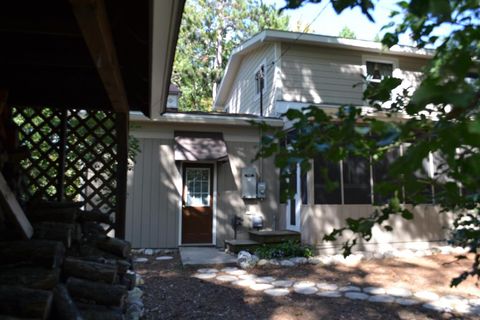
(398, 295)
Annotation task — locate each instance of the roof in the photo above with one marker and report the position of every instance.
(48, 58)
(307, 39)
(198, 117)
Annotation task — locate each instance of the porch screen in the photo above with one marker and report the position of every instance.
(356, 181)
(382, 183)
(322, 193)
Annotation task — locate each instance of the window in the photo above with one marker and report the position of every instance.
(323, 194)
(377, 71)
(379, 172)
(419, 189)
(198, 187)
(356, 181)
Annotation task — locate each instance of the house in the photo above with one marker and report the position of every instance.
(296, 70)
(186, 187)
(265, 76)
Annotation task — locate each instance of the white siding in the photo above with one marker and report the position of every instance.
(332, 76)
(242, 94)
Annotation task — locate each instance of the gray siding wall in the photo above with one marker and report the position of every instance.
(428, 227)
(155, 184)
(242, 98)
(152, 205)
(230, 202)
(324, 75)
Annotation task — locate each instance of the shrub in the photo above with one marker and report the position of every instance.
(286, 249)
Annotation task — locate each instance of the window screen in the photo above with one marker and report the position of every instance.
(376, 71)
(380, 170)
(322, 195)
(356, 181)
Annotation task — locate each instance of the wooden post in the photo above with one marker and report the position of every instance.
(121, 122)
(9, 203)
(61, 158)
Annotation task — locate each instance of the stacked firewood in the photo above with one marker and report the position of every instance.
(71, 269)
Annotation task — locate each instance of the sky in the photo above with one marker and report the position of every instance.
(329, 23)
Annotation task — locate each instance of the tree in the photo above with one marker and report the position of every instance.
(209, 32)
(347, 33)
(304, 27)
(441, 117)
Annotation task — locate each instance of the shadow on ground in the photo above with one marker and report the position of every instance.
(171, 293)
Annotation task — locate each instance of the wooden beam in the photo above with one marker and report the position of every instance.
(11, 207)
(121, 128)
(93, 22)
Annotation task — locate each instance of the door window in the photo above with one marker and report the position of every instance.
(197, 183)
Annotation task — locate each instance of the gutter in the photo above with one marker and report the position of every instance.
(206, 119)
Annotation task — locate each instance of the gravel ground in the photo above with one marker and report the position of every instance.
(171, 293)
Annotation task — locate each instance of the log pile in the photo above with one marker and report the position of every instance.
(71, 269)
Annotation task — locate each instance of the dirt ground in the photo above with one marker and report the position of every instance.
(171, 293)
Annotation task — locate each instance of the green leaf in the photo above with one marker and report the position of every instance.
(407, 215)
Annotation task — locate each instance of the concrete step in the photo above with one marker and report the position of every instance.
(236, 246)
(274, 236)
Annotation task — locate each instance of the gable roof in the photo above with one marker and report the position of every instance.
(309, 39)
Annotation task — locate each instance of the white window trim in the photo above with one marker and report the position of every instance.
(393, 61)
(215, 194)
(396, 72)
(264, 64)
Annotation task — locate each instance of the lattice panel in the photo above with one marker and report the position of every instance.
(89, 153)
(39, 131)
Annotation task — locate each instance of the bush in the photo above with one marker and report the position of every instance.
(286, 249)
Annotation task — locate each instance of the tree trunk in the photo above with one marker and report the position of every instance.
(34, 278)
(64, 306)
(25, 303)
(92, 230)
(116, 246)
(101, 293)
(44, 253)
(54, 231)
(219, 38)
(121, 265)
(92, 253)
(90, 270)
(94, 312)
(77, 234)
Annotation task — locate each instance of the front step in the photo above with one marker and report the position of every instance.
(236, 246)
(274, 236)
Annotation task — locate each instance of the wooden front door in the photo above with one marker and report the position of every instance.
(197, 203)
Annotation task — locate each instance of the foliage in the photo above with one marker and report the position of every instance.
(288, 249)
(347, 33)
(300, 26)
(210, 30)
(440, 117)
(133, 150)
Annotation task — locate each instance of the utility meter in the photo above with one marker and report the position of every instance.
(261, 189)
(249, 183)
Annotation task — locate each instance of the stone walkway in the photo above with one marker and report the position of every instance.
(281, 287)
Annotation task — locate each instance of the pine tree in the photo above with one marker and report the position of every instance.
(209, 32)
